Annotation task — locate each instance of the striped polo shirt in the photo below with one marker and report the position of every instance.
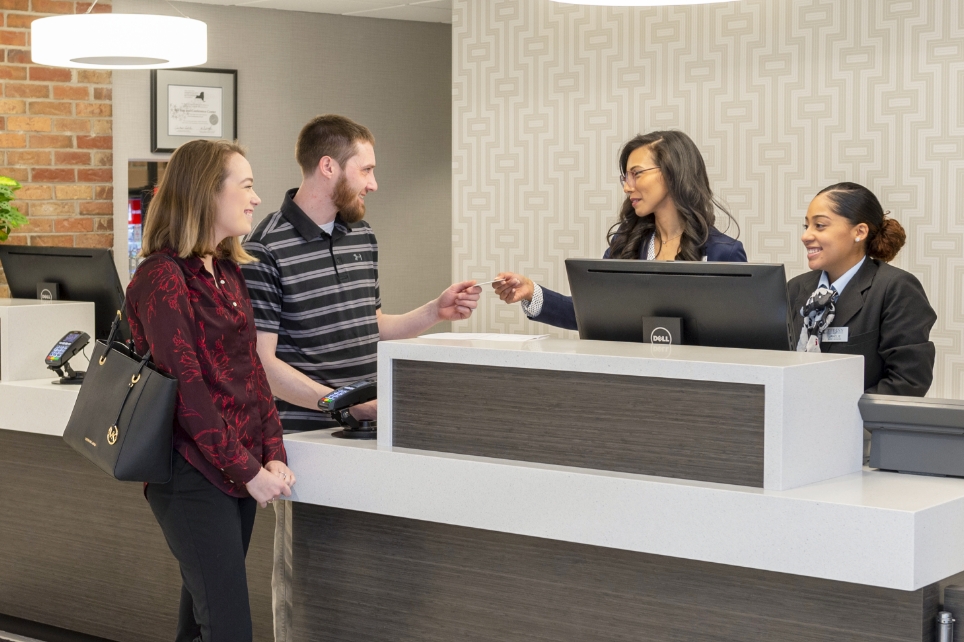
(318, 293)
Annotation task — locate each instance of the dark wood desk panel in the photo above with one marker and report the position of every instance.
(701, 430)
(83, 552)
(360, 577)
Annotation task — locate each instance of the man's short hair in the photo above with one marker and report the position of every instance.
(329, 135)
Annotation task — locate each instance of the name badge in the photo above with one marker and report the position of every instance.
(836, 335)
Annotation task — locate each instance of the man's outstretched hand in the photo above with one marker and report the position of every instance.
(457, 301)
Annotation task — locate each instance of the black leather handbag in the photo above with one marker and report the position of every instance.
(123, 420)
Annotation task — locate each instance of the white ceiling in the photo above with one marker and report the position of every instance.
(419, 10)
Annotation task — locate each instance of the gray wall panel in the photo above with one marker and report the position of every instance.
(394, 76)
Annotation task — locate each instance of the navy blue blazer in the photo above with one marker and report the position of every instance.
(557, 309)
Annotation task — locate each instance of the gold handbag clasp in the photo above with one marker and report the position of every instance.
(135, 379)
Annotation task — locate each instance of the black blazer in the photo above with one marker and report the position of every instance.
(558, 310)
(890, 321)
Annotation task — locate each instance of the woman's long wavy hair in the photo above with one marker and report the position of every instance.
(684, 172)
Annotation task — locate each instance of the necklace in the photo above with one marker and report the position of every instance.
(662, 240)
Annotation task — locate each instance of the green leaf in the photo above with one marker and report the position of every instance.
(10, 217)
(7, 208)
(15, 219)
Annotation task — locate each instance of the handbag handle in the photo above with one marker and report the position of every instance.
(134, 379)
(110, 337)
(114, 326)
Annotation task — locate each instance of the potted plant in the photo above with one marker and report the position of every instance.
(10, 217)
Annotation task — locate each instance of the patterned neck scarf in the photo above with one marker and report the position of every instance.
(817, 316)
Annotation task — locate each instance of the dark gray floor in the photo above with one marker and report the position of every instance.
(14, 629)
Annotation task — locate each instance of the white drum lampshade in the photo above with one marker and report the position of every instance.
(640, 3)
(119, 41)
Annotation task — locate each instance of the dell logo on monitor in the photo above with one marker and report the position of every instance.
(46, 295)
(660, 335)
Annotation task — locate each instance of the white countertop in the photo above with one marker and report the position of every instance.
(648, 359)
(36, 406)
(874, 528)
(30, 328)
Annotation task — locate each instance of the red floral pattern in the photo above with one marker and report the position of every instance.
(201, 330)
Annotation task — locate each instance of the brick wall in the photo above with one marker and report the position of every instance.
(55, 137)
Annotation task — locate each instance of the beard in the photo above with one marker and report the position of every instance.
(351, 208)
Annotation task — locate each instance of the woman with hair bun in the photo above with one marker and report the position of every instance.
(853, 302)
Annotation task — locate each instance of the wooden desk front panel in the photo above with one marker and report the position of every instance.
(81, 551)
(701, 430)
(360, 577)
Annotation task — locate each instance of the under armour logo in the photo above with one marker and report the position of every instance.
(357, 257)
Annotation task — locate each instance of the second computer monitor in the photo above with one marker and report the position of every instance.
(731, 305)
(81, 275)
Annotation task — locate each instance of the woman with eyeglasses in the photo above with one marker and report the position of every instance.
(668, 215)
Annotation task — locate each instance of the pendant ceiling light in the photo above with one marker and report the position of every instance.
(118, 41)
(640, 3)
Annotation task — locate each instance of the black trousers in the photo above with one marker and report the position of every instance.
(208, 532)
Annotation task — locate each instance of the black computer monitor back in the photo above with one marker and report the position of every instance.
(731, 305)
(81, 275)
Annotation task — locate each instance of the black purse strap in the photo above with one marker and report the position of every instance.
(116, 324)
(136, 377)
(110, 337)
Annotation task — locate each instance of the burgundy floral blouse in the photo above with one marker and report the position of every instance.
(201, 330)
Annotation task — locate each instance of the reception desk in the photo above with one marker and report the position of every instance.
(498, 504)
(543, 490)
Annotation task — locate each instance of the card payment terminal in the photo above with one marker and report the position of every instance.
(338, 402)
(72, 343)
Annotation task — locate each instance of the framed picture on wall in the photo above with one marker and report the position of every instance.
(188, 104)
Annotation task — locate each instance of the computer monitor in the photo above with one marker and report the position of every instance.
(731, 305)
(80, 275)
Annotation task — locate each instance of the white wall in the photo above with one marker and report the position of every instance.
(390, 75)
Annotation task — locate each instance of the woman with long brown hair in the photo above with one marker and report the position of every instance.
(669, 215)
(188, 304)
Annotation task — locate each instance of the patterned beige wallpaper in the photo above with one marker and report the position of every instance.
(783, 97)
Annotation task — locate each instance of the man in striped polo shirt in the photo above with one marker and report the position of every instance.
(315, 288)
(316, 300)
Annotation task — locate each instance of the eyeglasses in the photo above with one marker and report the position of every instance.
(633, 174)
